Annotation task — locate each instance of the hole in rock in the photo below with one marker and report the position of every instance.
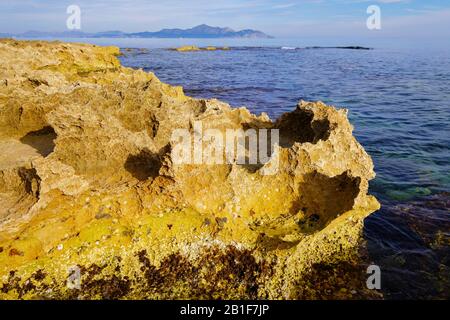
(254, 156)
(144, 165)
(323, 198)
(42, 140)
(299, 126)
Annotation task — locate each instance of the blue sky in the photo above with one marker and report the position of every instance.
(285, 18)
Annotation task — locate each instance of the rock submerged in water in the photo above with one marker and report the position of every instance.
(92, 205)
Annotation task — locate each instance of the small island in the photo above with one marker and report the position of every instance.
(195, 48)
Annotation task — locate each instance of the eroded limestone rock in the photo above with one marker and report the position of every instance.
(87, 185)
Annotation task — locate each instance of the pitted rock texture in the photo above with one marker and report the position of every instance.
(87, 183)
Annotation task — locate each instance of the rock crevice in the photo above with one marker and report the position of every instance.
(88, 181)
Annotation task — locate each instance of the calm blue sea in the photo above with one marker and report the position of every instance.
(398, 98)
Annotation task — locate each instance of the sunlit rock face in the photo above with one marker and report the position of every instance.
(92, 204)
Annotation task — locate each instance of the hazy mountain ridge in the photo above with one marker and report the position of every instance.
(200, 31)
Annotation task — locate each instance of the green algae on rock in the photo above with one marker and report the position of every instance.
(88, 184)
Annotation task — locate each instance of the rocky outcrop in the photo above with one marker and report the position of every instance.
(195, 48)
(93, 205)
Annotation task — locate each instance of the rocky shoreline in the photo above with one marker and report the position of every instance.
(93, 207)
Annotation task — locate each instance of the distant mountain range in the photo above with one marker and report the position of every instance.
(201, 31)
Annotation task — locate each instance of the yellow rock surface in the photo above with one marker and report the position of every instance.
(195, 48)
(87, 183)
